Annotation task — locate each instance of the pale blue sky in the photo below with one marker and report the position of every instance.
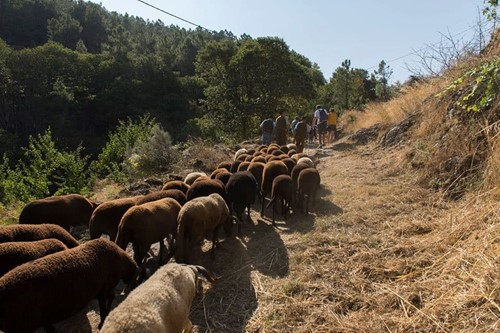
(326, 31)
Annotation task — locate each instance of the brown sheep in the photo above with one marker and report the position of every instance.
(249, 158)
(283, 191)
(259, 158)
(197, 218)
(65, 210)
(57, 286)
(217, 171)
(308, 184)
(234, 166)
(206, 187)
(290, 164)
(257, 168)
(291, 152)
(226, 165)
(243, 166)
(146, 224)
(34, 232)
(107, 216)
(223, 177)
(271, 170)
(284, 149)
(242, 157)
(178, 195)
(13, 254)
(295, 175)
(176, 185)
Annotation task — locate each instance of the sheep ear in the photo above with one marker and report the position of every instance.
(205, 275)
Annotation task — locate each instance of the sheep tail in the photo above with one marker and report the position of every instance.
(203, 271)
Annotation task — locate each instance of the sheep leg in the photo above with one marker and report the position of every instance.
(161, 253)
(105, 301)
(307, 203)
(274, 210)
(262, 207)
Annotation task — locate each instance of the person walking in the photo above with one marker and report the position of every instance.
(267, 129)
(281, 129)
(320, 119)
(331, 126)
(300, 135)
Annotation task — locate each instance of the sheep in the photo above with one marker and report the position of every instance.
(242, 157)
(291, 152)
(284, 149)
(282, 190)
(65, 210)
(308, 183)
(13, 254)
(226, 165)
(291, 146)
(251, 151)
(271, 170)
(217, 171)
(54, 287)
(256, 168)
(34, 232)
(146, 224)
(178, 195)
(241, 190)
(234, 166)
(298, 156)
(261, 148)
(243, 166)
(239, 152)
(259, 158)
(176, 185)
(191, 177)
(290, 164)
(205, 187)
(161, 304)
(199, 217)
(277, 152)
(295, 175)
(106, 218)
(273, 158)
(306, 160)
(223, 177)
(249, 158)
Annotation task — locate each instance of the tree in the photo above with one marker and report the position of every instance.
(65, 30)
(382, 76)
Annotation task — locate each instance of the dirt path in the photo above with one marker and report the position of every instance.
(333, 270)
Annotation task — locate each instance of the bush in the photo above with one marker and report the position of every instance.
(43, 171)
(111, 161)
(152, 156)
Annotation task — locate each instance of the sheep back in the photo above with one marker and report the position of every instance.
(34, 232)
(60, 284)
(206, 187)
(65, 210)
(178, 195)
(106, 218)
(223, 177)
(146, 224)
(13, 254)
(191, 177)
(241, 189)
(161, 304)
(198, 217)
(176, 185)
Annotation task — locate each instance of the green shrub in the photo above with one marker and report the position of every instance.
(111, 161)
(152, 156)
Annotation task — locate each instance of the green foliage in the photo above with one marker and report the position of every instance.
(44, 170)
(152, 156)
(111, 162)
(478, 87)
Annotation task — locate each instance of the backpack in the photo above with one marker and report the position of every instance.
(322, 115)
(268, 126)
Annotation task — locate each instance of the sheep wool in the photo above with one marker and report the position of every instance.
(34, 232)
(161, 304)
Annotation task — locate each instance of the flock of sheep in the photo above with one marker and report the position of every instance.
(46, 275)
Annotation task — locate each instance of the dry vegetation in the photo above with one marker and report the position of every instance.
(387, 248)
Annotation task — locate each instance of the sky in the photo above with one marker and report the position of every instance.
(328, 32)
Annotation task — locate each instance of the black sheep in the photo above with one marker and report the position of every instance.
(241, 189)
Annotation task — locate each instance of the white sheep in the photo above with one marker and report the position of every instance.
(239, 152)
(191, 177)
(306, 160)
(161, 304)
